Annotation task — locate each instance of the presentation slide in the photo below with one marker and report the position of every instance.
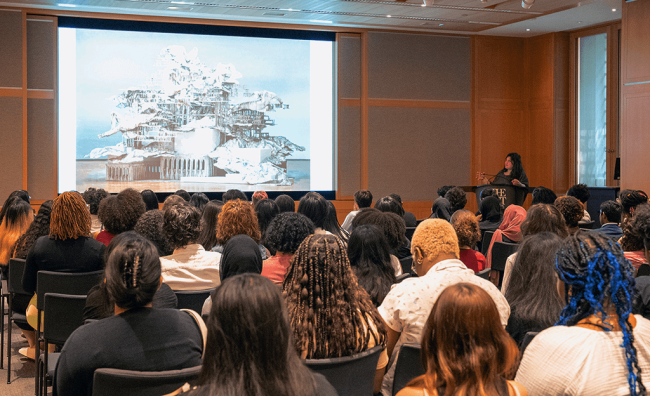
(166, 111)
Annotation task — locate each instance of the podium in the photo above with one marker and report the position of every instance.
(508, 194)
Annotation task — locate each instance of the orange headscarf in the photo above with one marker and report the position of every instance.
(510, 227)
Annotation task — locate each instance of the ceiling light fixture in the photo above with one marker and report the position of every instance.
(613, 9)
(528, 30)
(66, 5)
(427, 2)
(387, 16)
(317, 21)
(441, 24)
(527, 3)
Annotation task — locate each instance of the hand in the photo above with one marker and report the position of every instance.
(480, 176)
(517, 183)
(479, 217)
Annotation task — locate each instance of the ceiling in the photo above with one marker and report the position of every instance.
(489, 17)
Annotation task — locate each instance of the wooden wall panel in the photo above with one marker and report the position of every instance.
(349, 66)
(499, 67)
(40, 53)
(11, 49)
(636, 141)
(41, 138)
(636, 42)
(11, 136)
(349, 150)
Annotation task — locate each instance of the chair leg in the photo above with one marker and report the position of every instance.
(10, 322)
(2, 331)
(37, 357)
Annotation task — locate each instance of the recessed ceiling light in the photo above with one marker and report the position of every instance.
(388, 16)
(579, 21)
(441, 24)
(613, 9)
(317, 21)
(66, 5)
(528, 30)
(423, 5)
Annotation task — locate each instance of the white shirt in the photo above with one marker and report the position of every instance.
(191, 268)
(407, 306)
(510, 263)
(347, 223)
(573, 360)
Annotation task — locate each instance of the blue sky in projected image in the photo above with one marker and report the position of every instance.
(109, 62)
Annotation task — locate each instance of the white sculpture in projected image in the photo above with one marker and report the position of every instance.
(190, 124)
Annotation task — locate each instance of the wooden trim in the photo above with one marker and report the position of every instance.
(24, 89)
(350, 102)
(572, 108)
(475, 153)
(364, 112)
(423, 104)
(613, 119)
(55, 135)
(11, 92)
(40, 94)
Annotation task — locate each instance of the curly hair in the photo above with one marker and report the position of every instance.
(150, 226)
(544, 218)
(457, 198)
(630, 199)
(39, 227)
(640, 224)
(258, 196)
(70, 218)
(465, 224)
(172, 200)
(287, 231)
(93, 196)
(571, 210)
(580, 191)
(435, 236)
(237, 217)
(390, 224)
(119, 213)
(442, 191)
(543, 195)
(285, 203)
(182, 224)
(331, 315)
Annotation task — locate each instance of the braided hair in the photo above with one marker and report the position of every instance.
(597, 272)
(70, 218)
(330, 314)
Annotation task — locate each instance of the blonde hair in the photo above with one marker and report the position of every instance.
(435, 236)
(12, 229)
(70, 218)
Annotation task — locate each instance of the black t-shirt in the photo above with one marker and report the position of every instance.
(502, 178)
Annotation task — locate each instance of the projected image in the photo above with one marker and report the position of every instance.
(203, 113)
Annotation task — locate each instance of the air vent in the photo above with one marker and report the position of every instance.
(277, 14)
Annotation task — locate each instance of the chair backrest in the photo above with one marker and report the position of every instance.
(485, 241)
(110, 382)
(500, 253)
(15, 278)
(409, 232)
(485, 274)
(73, 283)
(350, 375)
(644, 270)
(407, 263)
(192, 299)
(528, 337)
(64, 315)
(407, 367)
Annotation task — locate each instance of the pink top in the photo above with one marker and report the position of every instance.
(275, 268)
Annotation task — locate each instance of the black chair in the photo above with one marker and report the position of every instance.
(644, 270)
(407, 367)
(64, 314)
(528, 337)
(350, 375)
(407, 263)
(14, 286)
(192, 299)
(400, 278)
(485, 274)
(409, 232)
(485, 241)
(110, 382)
(500, 253)
(4, 296)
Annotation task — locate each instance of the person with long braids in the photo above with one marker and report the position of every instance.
(331, 315)
(597, 347)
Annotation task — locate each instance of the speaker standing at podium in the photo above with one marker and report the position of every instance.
(512, 173)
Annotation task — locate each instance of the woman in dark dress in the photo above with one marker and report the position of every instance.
(512, 173)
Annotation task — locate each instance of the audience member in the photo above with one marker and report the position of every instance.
(488, 192)
(370, 260)
(535, 303)
(199, 200)
(465, 349)
(389, 204)
(285, 203)
(362, 199)
(582, 194)
(183, 194)
(18, 217)
(238, 217)
(332, 225)
(629, 200)
(442, 191)
(509, 231)
(189, 267)
(208, 235)
(241, 255)
(343, 321)
(610, 217)
(392, 226)
(150, 226)
(457, 199)
(315, 207)
(171, 201)
(119, 213)
(466, 226)
(266, 210)
(39, 227)
(632, 245)
(409, 218)
(250, 348)
(138, 337)
(491, 214)
(441, 209)
(640, 225)
(571, 210)
(284, 235)
(150, 200)
(234, 194)
(93, 196)
(22, 194)
(543, 195)
(258, 196)
(597, 347)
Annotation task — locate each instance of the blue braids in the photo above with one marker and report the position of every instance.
(596, 270)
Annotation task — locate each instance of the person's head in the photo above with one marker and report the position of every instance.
(544, 218)
(285, 203)
(287, 231)
(630, 199)
(610, 212)
(363, 199)
(466, 226)
(119, 213)
(150, 199)
(22, 194)
(487, 192)
(434, 240)
(491, 209)
(199, 200)
(532, 290)
(18, 217)
(266, 210)
(237, 217)
(442, 191)
(597, 277)
(182, 225)
(389, 204)
(571, 210)
(241, 255)
(70, 218)
(208, 235)
(331, 300)
(183, 194)
(457, 198)
(513, 217)
(332, 224)
(464, 345)
(150, 226)
(513, 164)
(580, 191)
(93, 196)
(640, 227)
(132, 270)
(370, 260)
(314, 206)
(543, 195)
(441, 209)
(258, 196)
(391, 225)
(39, 227)
(233, 194)
(172, 200)
(250, 344)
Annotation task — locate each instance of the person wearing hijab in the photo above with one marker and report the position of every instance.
(441, 209)
(509, 231)
(241, 255)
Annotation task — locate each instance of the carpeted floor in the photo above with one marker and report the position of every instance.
(23, 370)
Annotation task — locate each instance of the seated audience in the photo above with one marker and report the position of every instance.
(571, 210)
(199, 200)
(183, 194)
(285, 203)
(465, 349)
(189, 267)
(315, 207)
(466, 226)
(138, 337)
(631, 243)
(150, 200)
(250, 348)
(39, 227)
(321, 290)
(171, 201)
(535, 304)
(362, 199)
(18, 217)
(208, 235)
(238, 217)
(258, 196)
(370, 260)
(332, 225)
(457, 199)
(150, 226)
(629, 200)
(266, 210)
(93, 196)
(392, 226)
(442, 191)
(582, 194)
(610, 217)
(543, 195)
(640, 224)
(119, 213)
(597, 347)
(441, 209)
(408, 305)
(409, 218)
(285, 233)
(509, 231)
(233, 194)
(22, 194)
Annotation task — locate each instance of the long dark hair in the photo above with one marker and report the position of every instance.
(544, 218)
(39, 227)
(532, 290)
(370, 261)
(208, 235)
(250, 348)
(517, 167)
(22, 194)
(266, 210)
(332, 224)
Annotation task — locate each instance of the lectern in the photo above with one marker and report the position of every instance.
(508, 194)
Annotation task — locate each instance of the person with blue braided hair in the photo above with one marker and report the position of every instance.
(597, 347)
